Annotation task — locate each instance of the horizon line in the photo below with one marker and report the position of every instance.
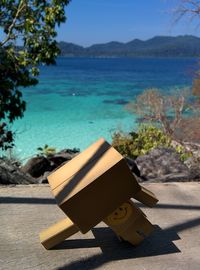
(125, 42)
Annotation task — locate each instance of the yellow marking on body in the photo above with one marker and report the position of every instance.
(120, 215)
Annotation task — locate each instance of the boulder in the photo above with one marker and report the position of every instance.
(133, 166)
(40, 167)
(193, 163)
(61, 157)
(163, 165)
(36, 166)
(43, 179)
(11, 174)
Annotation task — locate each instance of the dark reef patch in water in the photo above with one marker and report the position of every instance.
(116, 101)
(44, 91)
(129, 94)
(73, 92)
(48, 109)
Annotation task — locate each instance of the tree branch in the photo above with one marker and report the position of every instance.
(188, 7)
(13, 24)
(178, 108)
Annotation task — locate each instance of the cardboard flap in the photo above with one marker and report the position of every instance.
(146, 197)
(86, 175)
(77, 163)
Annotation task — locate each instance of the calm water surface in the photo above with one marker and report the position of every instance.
(81, 99)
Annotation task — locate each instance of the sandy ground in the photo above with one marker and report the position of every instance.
(175, 243)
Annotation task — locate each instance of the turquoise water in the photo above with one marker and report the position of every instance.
(79, 100)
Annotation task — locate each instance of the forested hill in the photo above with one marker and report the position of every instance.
(161, 46)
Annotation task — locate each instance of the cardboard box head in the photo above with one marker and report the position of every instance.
(93, 184)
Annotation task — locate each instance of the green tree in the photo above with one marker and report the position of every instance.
(32, 24)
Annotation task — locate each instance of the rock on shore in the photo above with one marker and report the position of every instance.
(159, 165)
(11, 174)
(164, 165)
(40, 167)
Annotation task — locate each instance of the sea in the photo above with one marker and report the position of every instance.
(79, 100)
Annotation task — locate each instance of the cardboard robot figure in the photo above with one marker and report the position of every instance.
(97, 186)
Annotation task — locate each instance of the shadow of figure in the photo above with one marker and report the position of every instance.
(159, 243)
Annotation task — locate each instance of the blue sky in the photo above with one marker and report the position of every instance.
(99, 21)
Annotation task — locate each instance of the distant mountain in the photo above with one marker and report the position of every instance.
(70, 48)
(159, 46)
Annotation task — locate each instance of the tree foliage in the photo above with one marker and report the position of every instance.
(31, 23)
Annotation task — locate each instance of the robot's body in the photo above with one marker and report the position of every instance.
(97, 186)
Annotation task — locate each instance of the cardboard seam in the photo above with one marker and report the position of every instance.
(82, 168)
(61, 202)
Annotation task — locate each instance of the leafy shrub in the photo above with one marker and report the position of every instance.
(46, 150)
(124, 143)
(184, 155)
(135, 144)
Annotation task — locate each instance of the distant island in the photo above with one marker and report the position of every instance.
(159, 46)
